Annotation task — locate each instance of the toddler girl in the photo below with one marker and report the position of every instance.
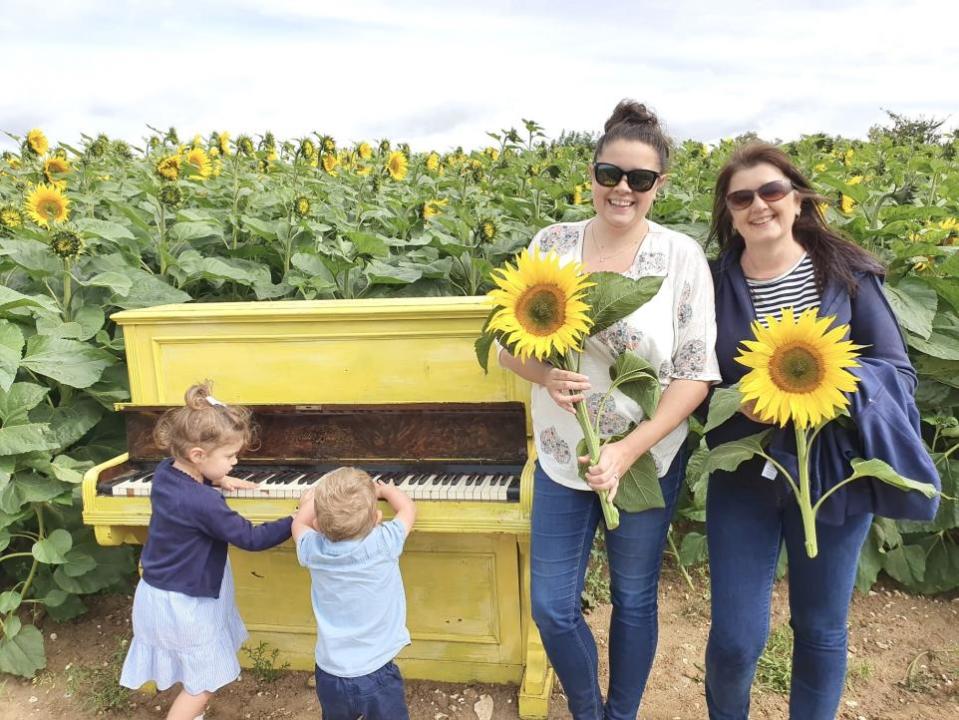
(186, 628)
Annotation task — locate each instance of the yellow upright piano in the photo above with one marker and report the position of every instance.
(390, 385)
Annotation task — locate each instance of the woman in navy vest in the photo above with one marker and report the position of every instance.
(776, 251)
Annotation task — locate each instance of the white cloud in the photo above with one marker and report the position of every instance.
(438, 75)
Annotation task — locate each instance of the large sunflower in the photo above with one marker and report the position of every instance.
(798, 369)
(46, 204)
(397, 165)
(540, 305)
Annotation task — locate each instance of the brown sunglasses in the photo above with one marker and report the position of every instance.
(770, 192)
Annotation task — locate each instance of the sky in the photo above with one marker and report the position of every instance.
(441, 74)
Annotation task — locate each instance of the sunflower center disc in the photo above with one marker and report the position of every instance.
(796, 369)
(540, 310)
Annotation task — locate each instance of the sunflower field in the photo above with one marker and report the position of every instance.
(87, 230)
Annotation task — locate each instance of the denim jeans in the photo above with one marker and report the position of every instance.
(377, 696)
(747, 519)
(563, 526)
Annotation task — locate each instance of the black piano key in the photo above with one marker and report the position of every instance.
(470, 480)
(457, 479)
(445, 480)
(512, 491)
(423, 479)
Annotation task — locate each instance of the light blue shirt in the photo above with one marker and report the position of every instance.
(358, 599)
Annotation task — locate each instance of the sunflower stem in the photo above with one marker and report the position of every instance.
(805, 506)
(610, 513)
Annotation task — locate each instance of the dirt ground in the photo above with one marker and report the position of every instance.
(903, 658)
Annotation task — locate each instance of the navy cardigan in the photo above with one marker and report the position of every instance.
(190, 528)
(883, 409)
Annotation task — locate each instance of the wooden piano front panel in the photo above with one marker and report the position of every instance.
(463, 606)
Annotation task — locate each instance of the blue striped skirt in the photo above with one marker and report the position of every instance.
(179, 638)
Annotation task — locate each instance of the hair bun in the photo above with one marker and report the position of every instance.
(196, 396)
(631, 112)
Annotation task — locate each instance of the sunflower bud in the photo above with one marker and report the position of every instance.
(122, 150)
(328, 144)
(171, 195)
(66, 244)
(244, 145)
(488, 229)
(98, 148)
(302, 206)
(384, 145)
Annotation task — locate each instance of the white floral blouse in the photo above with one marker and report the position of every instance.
(675, 332)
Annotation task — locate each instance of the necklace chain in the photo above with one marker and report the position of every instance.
(604, 257)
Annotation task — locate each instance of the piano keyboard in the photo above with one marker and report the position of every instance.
(443, 483)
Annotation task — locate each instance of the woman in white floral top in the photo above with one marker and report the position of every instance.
(676, 333)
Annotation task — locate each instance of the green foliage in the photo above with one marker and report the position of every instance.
(774, 670)
(97, 687)
(263, 662)
(596, 588)
(240, 234)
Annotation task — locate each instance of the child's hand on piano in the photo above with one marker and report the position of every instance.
(231, 483)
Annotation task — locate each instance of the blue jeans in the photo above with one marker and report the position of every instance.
(563, 526)
(377, 696)
(747, 518)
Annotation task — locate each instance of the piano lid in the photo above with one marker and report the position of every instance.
(383, 351)
(453, 432)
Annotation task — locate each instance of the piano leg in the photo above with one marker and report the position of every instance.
(538, 676)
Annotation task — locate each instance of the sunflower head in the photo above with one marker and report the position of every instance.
(66, 244)
(330, 162)
(307, 149)
(168, 168)
(488, 229)
(539, 306)
(47, 204)
(432, 162)
(199, 162)
(54, 166)
(397, 165)
(223, 142)
(171, 195)
(328, 144)
(301, 206)
(798, 368)
(36, 142)
(432, 208)
(365, 150)
(10, 218)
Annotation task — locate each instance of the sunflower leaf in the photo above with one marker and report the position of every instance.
(639, 489)
(614, 297)
(876, 468)
(637, 379)
(731, 455)
(723, 405)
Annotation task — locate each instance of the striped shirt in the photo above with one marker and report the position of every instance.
(795, 288)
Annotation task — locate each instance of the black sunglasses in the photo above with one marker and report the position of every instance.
(770, 192)
(609, 175)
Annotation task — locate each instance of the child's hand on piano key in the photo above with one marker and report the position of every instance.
(231, 483)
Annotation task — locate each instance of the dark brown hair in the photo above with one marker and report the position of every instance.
(633, 121)
(833, 256)
(200, 423)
